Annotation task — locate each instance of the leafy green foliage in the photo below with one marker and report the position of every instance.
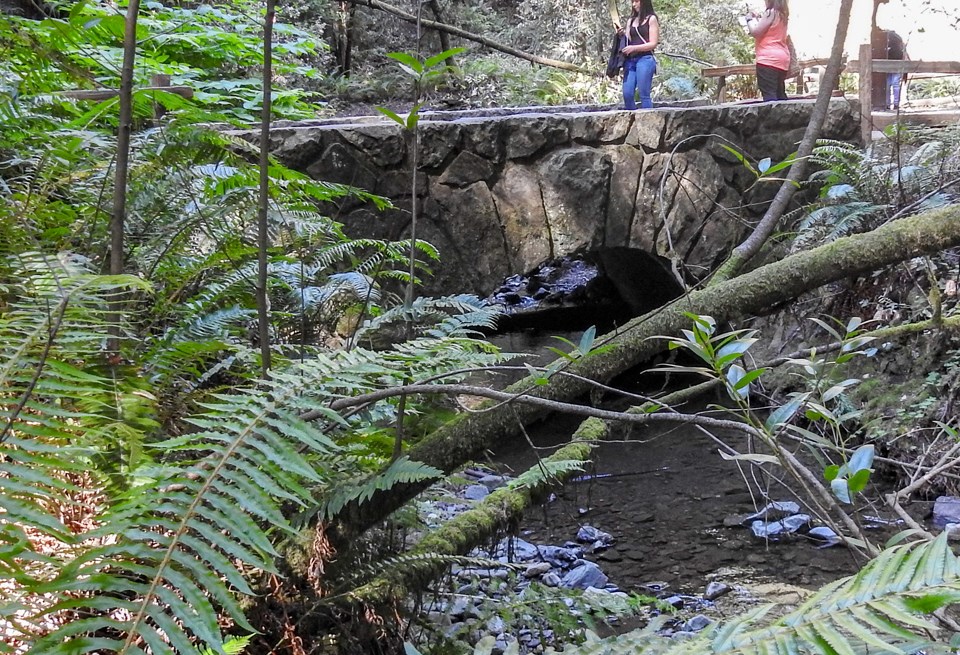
(861, 190)
(719, 352)
(208, 48)
(583, 349)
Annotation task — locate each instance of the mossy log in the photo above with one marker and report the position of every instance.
(750, 294)
(473, 527)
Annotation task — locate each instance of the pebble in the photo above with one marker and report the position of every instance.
(776, 509)
(828, 536)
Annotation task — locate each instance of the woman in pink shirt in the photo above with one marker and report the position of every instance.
(769, 31)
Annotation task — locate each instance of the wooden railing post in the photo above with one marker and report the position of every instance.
(866, 93)
(162, 81)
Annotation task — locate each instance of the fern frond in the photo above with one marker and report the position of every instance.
(883, 608)
(546, 470)
(402, 471)
(170, 554)
(449, 316)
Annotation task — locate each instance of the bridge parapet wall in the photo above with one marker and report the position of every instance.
(499, 195)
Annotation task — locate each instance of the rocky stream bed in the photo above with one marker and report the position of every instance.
(659, 514)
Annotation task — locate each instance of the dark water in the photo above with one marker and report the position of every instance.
(665, 498)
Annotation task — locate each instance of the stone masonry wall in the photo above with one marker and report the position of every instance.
(499, 194)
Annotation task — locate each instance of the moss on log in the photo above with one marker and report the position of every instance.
(753, 293)
(473, 527)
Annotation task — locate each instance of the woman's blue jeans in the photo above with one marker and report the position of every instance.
(638, 76)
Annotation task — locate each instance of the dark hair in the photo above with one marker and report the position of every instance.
(646, 9)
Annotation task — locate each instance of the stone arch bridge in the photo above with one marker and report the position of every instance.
(500, 193)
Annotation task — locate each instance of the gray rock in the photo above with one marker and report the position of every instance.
(715, 590)
(460, 607)
(537, 569)
(785, 525)
(676, 601)
(484, 574)
(591, 535)
(519, 549)
(696, 624)
(551, 580)
(476, 492)
(493, 481)
(587, 574)
(559, 557)
(775, 509)
(654, 586)
(825, 534)
(946, 509)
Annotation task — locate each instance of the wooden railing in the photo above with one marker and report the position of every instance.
(723, 72)
(870, 117)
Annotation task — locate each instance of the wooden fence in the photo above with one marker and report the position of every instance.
(723, 72)
(873, 118)
(870, 71)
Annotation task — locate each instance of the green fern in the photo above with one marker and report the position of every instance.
(170, 554)
(401, 471)
(545, 471)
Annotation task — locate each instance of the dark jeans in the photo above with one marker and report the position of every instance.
(771, 82)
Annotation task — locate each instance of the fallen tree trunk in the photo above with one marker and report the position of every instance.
(753, 293)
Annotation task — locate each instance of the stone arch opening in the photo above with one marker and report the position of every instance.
(604, 287)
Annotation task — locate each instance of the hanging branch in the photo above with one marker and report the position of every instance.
(263, 236)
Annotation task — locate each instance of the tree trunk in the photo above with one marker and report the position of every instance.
(444, 37)
(263, 233)
(124, 130)
(754, 293)
(343, 37)
(752, 245)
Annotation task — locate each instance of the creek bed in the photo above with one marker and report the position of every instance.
(669, 500)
